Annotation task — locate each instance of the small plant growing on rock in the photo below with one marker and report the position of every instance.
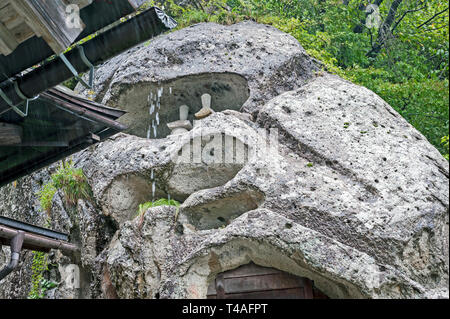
(38, 267)
(46, 195)
(160, 202)
(39, 285)
(445, 143)
(71, 181)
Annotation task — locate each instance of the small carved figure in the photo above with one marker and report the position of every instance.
(183, 125)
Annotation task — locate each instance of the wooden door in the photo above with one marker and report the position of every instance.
(255, 282)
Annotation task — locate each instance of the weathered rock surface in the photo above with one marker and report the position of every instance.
(241, 66)
(347, 194)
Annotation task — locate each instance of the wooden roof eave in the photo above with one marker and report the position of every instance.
(91, 123)
(27, 48)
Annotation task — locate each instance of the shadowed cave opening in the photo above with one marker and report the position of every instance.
(229, 91)
(252, 281)
(221, 211)
(187, 177)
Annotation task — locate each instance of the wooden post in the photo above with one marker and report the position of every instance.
(10, 134)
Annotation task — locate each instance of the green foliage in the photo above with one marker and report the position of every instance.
(72, 83)
(46, 195)
(423, 103)
(39, 285)
(48, 284)
(71, 181)
(160, 202)
(445, 144)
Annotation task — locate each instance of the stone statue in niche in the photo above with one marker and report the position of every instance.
(206, 107)
(183, 125)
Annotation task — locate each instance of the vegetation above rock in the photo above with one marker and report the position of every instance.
(405, 60)
(143, 208)
(160, 202)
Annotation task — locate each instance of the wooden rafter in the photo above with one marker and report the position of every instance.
(58, 124)
(10, 134)
(23, 19)
(8, 41)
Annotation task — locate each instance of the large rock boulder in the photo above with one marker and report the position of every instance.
(242, 66)
(315, 176)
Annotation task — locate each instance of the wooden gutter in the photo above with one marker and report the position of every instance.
(19, 239)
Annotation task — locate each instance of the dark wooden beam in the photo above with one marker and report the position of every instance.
(10, 134)
(103, 47)
(50, 157)
(35, 49)
(41, 144)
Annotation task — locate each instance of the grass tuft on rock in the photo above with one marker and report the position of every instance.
(160, 202)
(71, 181)
(143, 208)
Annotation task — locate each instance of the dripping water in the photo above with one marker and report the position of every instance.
(153, 190)
(154, 103)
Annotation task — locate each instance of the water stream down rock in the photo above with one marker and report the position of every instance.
(351, 196)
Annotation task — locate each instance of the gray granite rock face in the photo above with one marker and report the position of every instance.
(241, 66)
(314, 176)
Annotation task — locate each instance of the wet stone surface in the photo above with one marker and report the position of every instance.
(351, 196)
